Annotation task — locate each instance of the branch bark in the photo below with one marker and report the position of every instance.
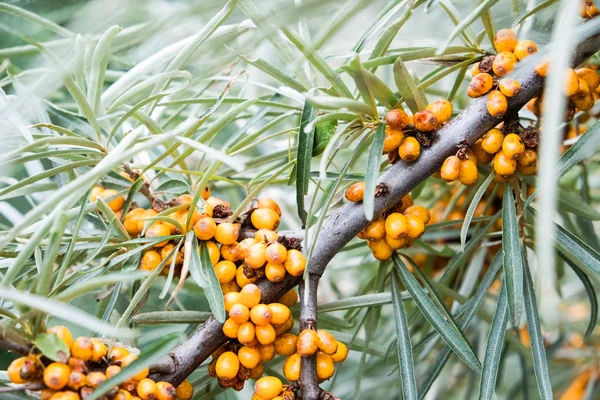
(309, 383)
(343, 225)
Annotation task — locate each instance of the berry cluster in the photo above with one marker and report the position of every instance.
(90, 364)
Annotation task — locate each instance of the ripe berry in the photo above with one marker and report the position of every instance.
(509, 87)
(123, 394)
(341, 353)
(356, 192)
(584, 103)
(266, 236)
(239, 313)
(266, 334)
(227, 233)
(227, 365)
(425, 121)
(265, 218)
(590, 76)
(274, 272)
(116, 354)
(213, 252)
(98, 350)
(261, 314)
(95, 379)
(158, 230)
(504, 63)
(165, 391)
(307, 343)
(291, 367)
(450, 169)
(285, 344)
(325, 368)
(375, 230)
(266, 202)
(482, 156)
(231, 328)
(410, 149)
(56, 376)
(268, 387)
(475, 69)
(112, 370)
(63, 334)
(185, 391)
(327, 343)
(512, 145)
(231, 299)
(505, 40)
(480, 84)
(243, 247)
(504, 165)
(257, 257)
(442, 109)
(396, 225)
(164, 254)
(396, 119)
(525, 48)
(225, 271)
(276, 253)
(295, 262)
(205, 228)
(285, 327)
(249, 356)
(492, 141)
(241, 279)
(14, 370)
(257, 371)
(146, 389)
(246, 333)
(496, 103)
(395, 244)
(67, 395)
(150, 260)
(468, 172)
(250, 295)
(542, 69)
(82, 348)
(115, 204)
(279, 313)
(267, 351)
(415, 227)
(289, 299)
(392, 140)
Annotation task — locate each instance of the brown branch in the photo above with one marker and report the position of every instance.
(309, 382)
(340, 227)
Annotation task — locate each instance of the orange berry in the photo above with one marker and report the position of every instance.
(260, 314)
(205, 193)
(56, 375)
(150, 260)
(158, 230)
(528, 158)
(291, 367)
(225, 271)
(325, 368)
(231, 299)
(294, 262)
(480, 84)
(99, 350)
(95, 379)
(509, 87)
(512, 145)
(257, 257)
(268, 387)
(115, 204)
(146, 389)
(116, 354)
(415, 227)
(410, 149)
(265, 218)
(420, 212)
(425, 121)
(468, 172)
(112, 370)
(356, 192)
(82, 348)
(504, 165)
(63, 334)
(492, 141)
(276, 253)
(213, 252)
(392, 140)
(395, 244)
(285, 327)
(77, 380)
(265, 202)
(285, 344)
(66, 395)
(185, 390)
(307, 343)
(241, 279)
(279, 313)
(327, 343)
(504, 63)
(231, 328)
(14, 370)
(265, 334)
(475, 69)
(442, 109)
(450, 169)
(289, 299)
(228, 365)
(375, 230)
(381, 249)
(257, 371)
(266, 236)
(496, 104)
(246, 333)
(239, 313)
(584, 103)
(164, 254)
(123, 394)
(396, 119)
(267, 351)
(274, 272)
(205, 228)
(481, 156)
(96, 192)
(525, 48)
(505, 40)
(250, 295)
(340, 354)
(396, 225)
(249, 356)
(542, 69)
(165, 391)
(227, 233)
(589, 76)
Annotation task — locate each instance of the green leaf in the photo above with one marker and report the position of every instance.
(513, 260)
(472, 207)
(404, 346)
(324, 131)
(148, 356)
(591, 292)
(454, 339)
(52, 347)
(356, 70)
(573, 204)
(414, 98)
(533, 11)
(372, 174)
(174, 186)
(540, 365)
(577, 251)
(171, 317)
(203, 273)
(488, 24)
(336, 103)
(493, 348)
(381, 91)
(367, 300)
(304, 157)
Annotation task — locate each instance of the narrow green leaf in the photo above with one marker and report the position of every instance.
(414, 98)
(533, 11)
(435, 318)
(52, 347)
(336, 103)
(356, 70)
(540, 365)
(101, 282)
(372, 174)
(304, 157)
(472, 207)
(591, 293)
(390, 32)
(488, 24)
(573, 204)
(404, 346)
(493, 348)
(171, 317)
(511, 249)
(578, 251)
(380, 90)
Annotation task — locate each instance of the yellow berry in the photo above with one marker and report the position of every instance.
(492, 141)
(327, 343)
(249, 356)
(265, 218)
(158, 230)
(228, 365)
(341, 353)
(356, 192)
(396, 119)
(496, 104)
(425, 121)
(504, 165)
(63, 334)
(185, 390)
(146, 389)
(82, 348)
(150, 260)
(468, 172)
(325, 368)
(442, 109)
(205, 228)
(509, 87)
(268, 387)
(291, 367)
(505, 40)
(56, 376)
(410, 149)
(480, 84)
(504, 63)
(525, 48)
(295, 262)
(307, 343)
(450, 169)
(396, 225)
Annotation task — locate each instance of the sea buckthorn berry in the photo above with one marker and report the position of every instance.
(266, 334)
(571, 82)
(231, 328)
(380, 249)
(96, 192)
(496, 104)
(185, 390)
(542, 69)
(158, 230)
(375, 230)
(513, 145)
(468, 172)
(249, 356)
(307, 343)
(146, 389)
(227, 233)
(98, 350)
(395, 244)
(123, 394)
(396, 226)
(410, 149)
(133, 223)
(509, 87)
(229, 252)
(75, 364)
(239, 313)
(505, 40)
(480, 84)
(225, 271)
(482, 156)
(504, 63)
(227, 365)
(524, 49)
(246, 333)
(268, 387)
(66, 395)
(165, 391)
(325, 368)
(205, 228)
(116, 354)
(442, 109)
(356, 192)
(265, 202)
(257, 371)
(243, 247)
(475, 69)
(56, 375)
(285, 344)
(504, 165)
(291, 367)
(340, 354)
(583, 90)
(392, 140)
(279, 313)
(276, 253)
(584, 103)
(77, 380)
(46, 394)
(294, 262)
(531, 170)
(590, 76)
(205, 193)
(166, 250)
(82, 348)
(285, 327)
(492, 141)
(274, 272)
(150, 260)
(267, 351)
(327, 343)
(63, 334)
(257, 257)
(241, 279)
(250, 295)
(14, 370)
(396, 119)
(450, 169)
(112, 370)
(289, 299)
(425, 121)
(261, 314)
(213, 252)
(415, 227)
(231, 299)
(265, 218)
(115, 204)
(266, 236)
(95, 379)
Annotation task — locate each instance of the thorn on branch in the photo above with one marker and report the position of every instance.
(382, 189)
